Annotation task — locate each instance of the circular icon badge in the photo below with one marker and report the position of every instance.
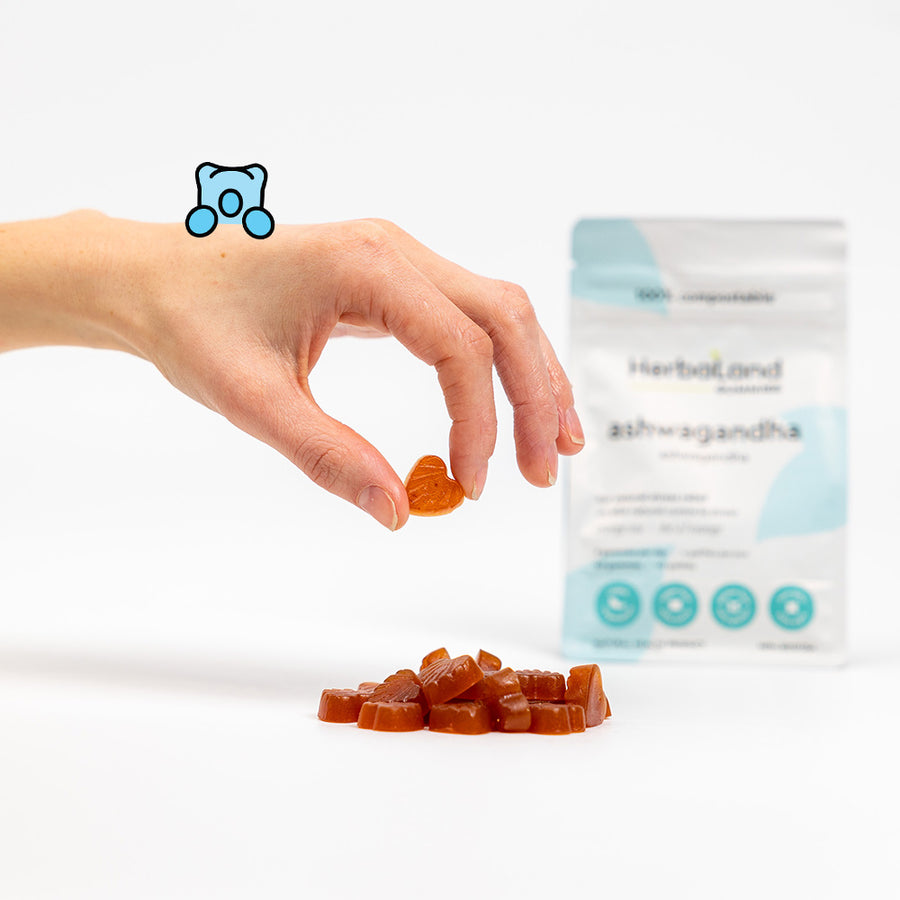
(618, 603)
(733, 606)
(791, 607)
(675, 605)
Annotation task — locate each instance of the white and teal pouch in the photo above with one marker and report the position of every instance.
(707, 510)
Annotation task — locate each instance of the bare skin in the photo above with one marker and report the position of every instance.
(238, 325)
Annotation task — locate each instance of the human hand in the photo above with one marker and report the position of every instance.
(239, 325)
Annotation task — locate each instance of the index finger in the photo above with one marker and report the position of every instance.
(398, 296)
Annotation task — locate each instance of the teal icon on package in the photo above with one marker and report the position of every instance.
(675, 605)
(791, 607)
(618, 603)
(233, 195)
(733, 606)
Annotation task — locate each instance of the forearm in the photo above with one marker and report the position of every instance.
(64, 281)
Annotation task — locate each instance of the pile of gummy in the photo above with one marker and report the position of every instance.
(462, 695)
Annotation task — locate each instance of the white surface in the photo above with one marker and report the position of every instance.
(173, 596)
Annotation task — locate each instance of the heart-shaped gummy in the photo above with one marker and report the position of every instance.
(430, 490)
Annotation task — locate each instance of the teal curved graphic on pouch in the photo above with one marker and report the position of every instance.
(593, 626)
(809, 494)
(614, 265)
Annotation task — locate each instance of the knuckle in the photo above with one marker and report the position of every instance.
(541, 411)
(321, 461)
(87, 215)
(536, 431)
(515, 307)
(384, 225)
(560, 385)
(476, 342)
(369, 236)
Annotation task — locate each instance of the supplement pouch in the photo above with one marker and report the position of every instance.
(707, 509)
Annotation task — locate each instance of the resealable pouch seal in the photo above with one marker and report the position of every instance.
(707, 510)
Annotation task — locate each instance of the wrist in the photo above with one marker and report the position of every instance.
(70, 280)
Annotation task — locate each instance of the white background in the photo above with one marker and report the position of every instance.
(174, 596)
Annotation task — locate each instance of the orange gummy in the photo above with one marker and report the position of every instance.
(493, 685)
(556, 718)
(549, 687)
(585, 687)
(462, 695)
(431, 491)
(380, 716)
(488, 661)
(341, 706)
(502, 694)
(440, 653)
(401, 687)
(512, 713)
(463, 717)
(445, 679)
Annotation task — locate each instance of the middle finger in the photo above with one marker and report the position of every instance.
(505, 313)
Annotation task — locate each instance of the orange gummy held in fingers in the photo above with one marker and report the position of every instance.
(585, 687)
(549, 687)
(429, 658)
(488, 662)
(431, 491)
(379, 716)
(462, 717)
(445, 679)
(341, 706)
(556, 718)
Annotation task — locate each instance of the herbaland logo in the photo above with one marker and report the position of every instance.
(712, 375)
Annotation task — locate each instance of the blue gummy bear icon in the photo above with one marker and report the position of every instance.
(230, 195)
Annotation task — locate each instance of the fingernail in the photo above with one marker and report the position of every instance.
(573, 426)
(552, 467)
(480, 479)
(378, 504)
